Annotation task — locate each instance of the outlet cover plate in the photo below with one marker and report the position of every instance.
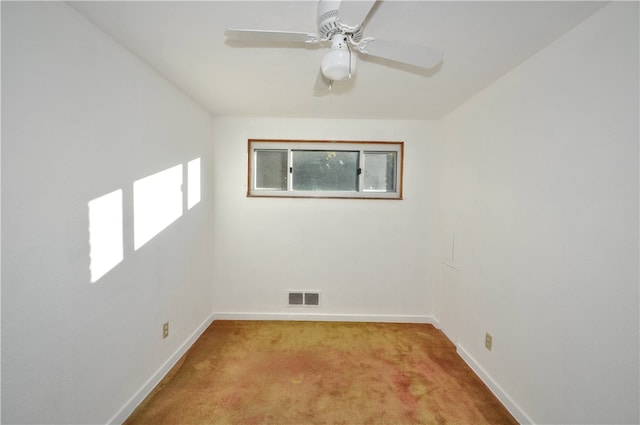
(488, 341)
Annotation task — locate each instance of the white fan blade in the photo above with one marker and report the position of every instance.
(352, 13)
(322, 82)
(266, 35)
(412, 54)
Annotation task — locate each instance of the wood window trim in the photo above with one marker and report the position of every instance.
(397, 146)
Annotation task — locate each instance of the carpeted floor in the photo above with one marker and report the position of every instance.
(262, 372)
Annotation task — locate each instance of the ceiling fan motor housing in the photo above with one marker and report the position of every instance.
(327, 20)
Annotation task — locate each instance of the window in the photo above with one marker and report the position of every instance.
(291, 168)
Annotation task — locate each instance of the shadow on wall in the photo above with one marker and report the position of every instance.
(158, 200)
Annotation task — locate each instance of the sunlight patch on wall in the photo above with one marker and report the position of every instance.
(193, 182)
(105, 234)
(157, 202)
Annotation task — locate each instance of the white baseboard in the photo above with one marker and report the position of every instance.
(504, 398)
(146, 389)
(385, 318)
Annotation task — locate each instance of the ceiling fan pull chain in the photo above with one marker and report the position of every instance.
(350, 59)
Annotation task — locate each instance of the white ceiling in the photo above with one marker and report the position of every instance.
(184, 41)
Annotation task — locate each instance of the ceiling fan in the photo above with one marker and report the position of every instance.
(340, 28)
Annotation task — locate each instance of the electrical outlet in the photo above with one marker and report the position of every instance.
(488, 341)
(165, 330)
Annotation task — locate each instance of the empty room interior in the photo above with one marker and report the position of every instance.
(132, 219)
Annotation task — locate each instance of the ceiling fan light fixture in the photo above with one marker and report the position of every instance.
(338, 64)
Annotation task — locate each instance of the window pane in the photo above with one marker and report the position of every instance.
(325, 170)
(379, 171)
(271, 169)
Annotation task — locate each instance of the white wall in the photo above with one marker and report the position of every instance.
(371, 259)
(540, 188)
(82, 117)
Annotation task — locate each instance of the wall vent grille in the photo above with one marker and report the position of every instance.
(311, 298)
(304, 299)
(296, 298)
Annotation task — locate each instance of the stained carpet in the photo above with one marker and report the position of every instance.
(276, 372)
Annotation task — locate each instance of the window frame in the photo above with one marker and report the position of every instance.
(324, 145)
